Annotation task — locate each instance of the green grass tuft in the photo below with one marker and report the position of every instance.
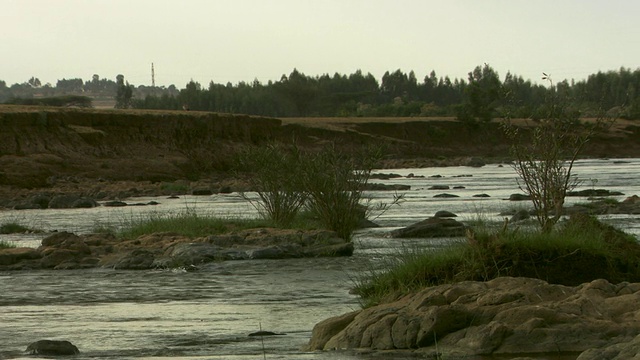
(188, 224)
(6, 245)
(13, 228)
(580, 251)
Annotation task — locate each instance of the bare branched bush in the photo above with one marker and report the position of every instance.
(329, 182)
(545, 153)
(334, 181)
(276, 173)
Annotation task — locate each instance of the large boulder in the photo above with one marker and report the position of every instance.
(594, 192)
(138, 259)
(66, 240)
(64, 250)
(635, 199)
(444, 214)
(620, 351)
(11, 256)
(52, 348)
(520, 215)
(37, 201)
(519, 197)
(196, 253)
(504, 317)
(56, 257)
(630, 205)
(430, 228)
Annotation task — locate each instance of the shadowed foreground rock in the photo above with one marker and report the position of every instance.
(52, 348)
(505, 316)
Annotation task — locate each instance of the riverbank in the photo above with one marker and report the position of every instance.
(135, 152)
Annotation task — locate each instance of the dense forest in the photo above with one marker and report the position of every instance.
(482, 96)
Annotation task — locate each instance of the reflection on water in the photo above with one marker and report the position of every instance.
(208, 314)
(176, 314)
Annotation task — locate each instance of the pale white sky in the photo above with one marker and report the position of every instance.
(242, 40)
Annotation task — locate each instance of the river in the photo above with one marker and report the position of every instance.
(208, 314)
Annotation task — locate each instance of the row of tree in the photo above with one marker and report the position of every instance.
(482, 96)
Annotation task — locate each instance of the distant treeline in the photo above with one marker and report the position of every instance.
(59, 101)
(482, 96)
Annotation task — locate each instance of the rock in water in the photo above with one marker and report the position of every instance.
(52, 347)
(444, 214)
(265, 333)
(430, 228)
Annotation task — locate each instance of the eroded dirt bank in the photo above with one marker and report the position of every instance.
(80, 150)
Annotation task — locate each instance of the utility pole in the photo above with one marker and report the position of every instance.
(153, 76)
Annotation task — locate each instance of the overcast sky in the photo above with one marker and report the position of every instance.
(243, 40)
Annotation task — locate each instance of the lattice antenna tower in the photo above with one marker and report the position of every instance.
(153, 76)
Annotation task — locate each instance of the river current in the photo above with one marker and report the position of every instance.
(209, 313)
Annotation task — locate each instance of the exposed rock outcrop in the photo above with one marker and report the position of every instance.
(169, 250)
(505, 316)
(594, 192)
(630, 205)
(620, 351)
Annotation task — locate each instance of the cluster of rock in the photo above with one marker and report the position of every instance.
(504, 316)
(55, 201)
(78, 192)
(65, 250)
(630, 205)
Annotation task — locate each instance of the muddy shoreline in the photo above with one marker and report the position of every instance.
(112, 154)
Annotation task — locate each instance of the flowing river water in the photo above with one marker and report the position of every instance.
(209, 313)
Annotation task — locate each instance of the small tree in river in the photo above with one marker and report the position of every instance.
(545, 154)
(329, 182)
(276, 173)
(335, 181)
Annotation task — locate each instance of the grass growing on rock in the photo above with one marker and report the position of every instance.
(193, 225)
(582, 250)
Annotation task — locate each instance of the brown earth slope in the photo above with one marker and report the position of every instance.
(44, 148)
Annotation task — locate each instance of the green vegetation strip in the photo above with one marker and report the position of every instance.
(193, 225)
(190, 225)
(580, 251)
(12, 228)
